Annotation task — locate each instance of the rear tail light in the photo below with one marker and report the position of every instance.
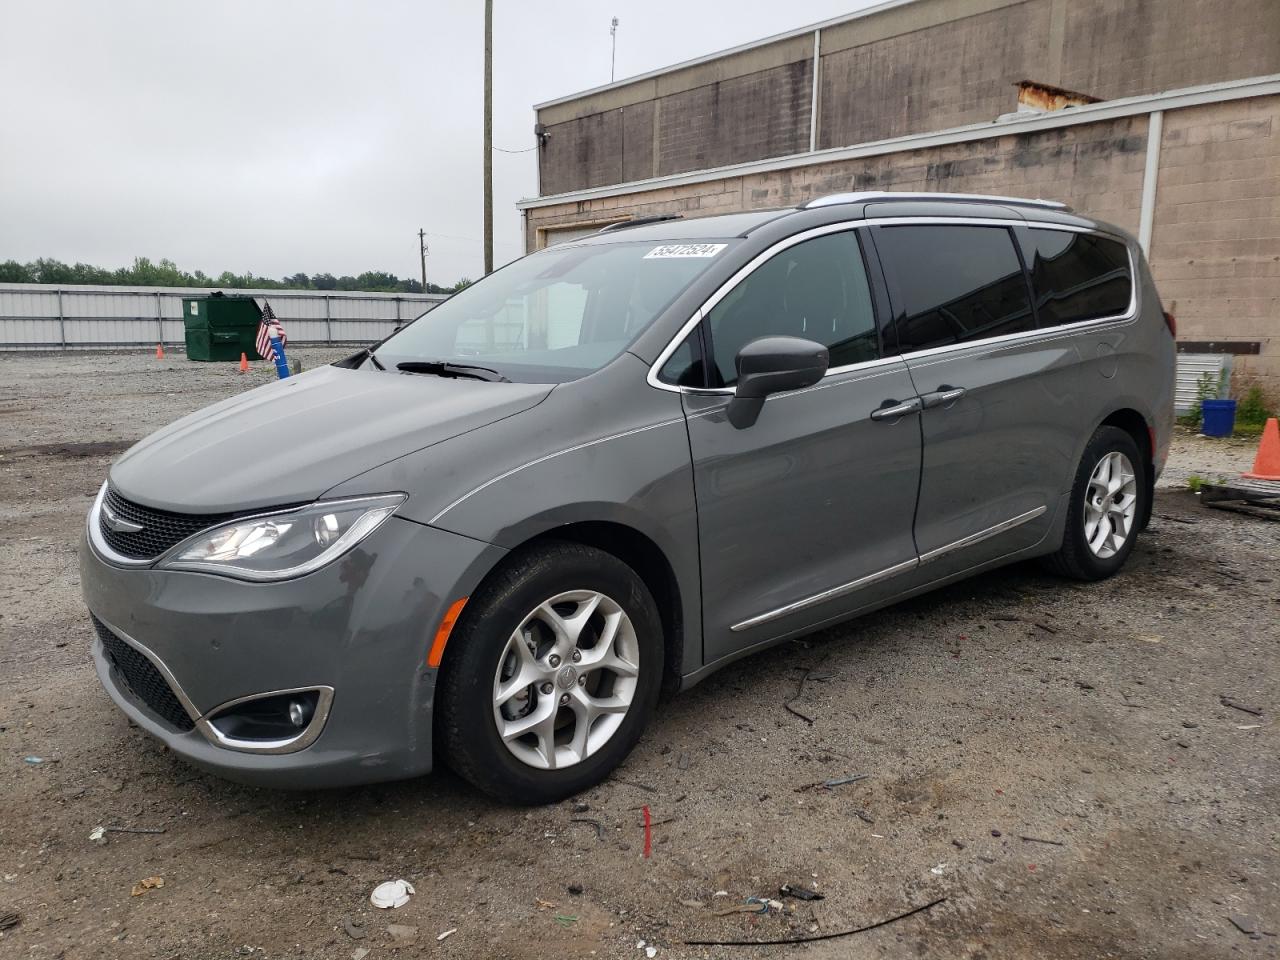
(1171, 322)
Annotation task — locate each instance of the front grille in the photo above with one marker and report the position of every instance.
(160, 528)
(143, 680)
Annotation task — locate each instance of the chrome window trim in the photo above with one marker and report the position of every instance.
(1046, 332)
(310, 733)
(156, 662)
(853, 585)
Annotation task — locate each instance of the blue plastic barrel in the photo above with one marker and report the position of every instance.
(1219, 417)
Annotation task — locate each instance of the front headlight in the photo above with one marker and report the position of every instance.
(279, 546)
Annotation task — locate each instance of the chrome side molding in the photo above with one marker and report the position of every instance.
(981, 535)
(825, 595)
(853, 585)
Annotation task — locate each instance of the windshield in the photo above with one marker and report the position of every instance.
(555, 315)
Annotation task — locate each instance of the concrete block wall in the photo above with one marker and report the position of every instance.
(1215, 250)
(763, 114)
(932, 78)
(920, 67)
(1124, 48)
(1095, 167)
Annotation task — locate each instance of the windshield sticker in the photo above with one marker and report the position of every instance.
(669, 250)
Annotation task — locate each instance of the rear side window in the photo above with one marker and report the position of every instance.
(816, 290)
(1077, 276)
(953, 284)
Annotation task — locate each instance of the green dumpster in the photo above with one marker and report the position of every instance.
(221, 326)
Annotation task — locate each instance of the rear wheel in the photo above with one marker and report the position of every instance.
(1106, 509)
(551, 675)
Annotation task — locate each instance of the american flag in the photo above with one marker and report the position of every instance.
(263, 342)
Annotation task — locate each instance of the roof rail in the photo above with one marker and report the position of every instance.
(875, 195)
(640, 222)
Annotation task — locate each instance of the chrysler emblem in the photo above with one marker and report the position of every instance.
(118, 523)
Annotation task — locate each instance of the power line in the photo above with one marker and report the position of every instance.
(525, 150)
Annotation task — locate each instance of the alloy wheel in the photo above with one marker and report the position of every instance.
(1110, 505)
(566, 679)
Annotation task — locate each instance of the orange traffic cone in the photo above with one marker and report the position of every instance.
(1266, 466)
(159, 351)
(244, 363)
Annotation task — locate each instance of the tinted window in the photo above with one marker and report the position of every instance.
(954, 284)
(1077, 276)
(816, 289)
(684, 367)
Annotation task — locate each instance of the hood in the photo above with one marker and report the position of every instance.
(290, 441)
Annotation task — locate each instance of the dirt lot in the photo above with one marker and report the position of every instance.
(1053, 759)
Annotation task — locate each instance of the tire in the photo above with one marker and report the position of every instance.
(486, 662)
(1081, 557)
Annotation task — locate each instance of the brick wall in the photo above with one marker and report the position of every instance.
(1215, 251)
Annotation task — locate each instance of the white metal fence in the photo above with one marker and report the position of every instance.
(36, 316)
(1193, 366)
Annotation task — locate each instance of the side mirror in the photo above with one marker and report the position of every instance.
(773, 365)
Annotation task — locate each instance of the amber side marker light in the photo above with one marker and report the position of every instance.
(451, 615)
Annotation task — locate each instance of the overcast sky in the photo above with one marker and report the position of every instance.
(279, 136)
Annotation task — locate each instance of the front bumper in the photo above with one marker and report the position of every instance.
(360, 626)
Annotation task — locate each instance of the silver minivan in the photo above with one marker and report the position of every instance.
(616, 465)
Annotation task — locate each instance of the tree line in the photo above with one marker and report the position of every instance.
(166, 273)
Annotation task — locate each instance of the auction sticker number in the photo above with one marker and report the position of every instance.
(670, 250)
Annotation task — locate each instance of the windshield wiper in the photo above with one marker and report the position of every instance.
(368, 352)
(442, 368)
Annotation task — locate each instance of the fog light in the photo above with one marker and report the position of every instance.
(280, 716)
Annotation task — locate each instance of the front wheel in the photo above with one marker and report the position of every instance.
(1106, 508)
(551, 675)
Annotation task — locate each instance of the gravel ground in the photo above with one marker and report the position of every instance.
(1053, 759)
(1209, 458)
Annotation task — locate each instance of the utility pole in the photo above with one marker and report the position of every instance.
(422, 252)
(613, 54)
(488, 137)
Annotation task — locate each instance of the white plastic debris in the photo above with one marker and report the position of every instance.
(448, 933)
(939, 870)
(99, 835)
(391, 894)
(650, 952)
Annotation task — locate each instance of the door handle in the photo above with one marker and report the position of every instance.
(895, 411)
(942, 397)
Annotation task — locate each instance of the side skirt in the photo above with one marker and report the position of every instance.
(1049, 543)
